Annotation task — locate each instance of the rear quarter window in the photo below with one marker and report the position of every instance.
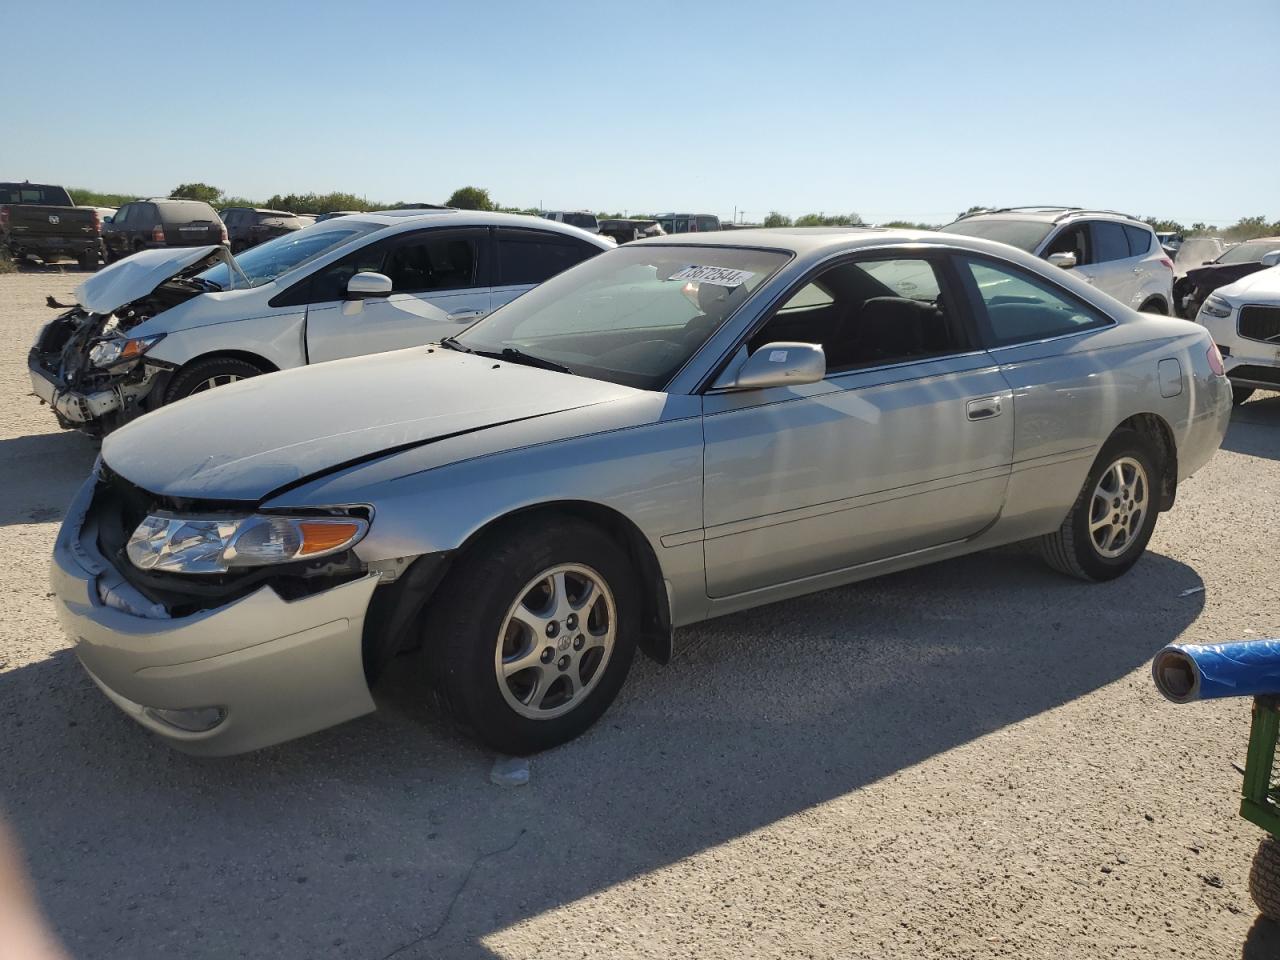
(1139, 241)
(532, 257)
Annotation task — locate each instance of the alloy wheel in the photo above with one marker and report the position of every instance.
(219, 381)
(555, 641)
(1118, 507)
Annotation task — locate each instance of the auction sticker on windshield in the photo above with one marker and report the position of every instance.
(721, 276)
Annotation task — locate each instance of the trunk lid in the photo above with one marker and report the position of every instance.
(37, 220)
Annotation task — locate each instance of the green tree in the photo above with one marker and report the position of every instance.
(832, 220)
(196, 191)
(776, 219)
(972, 210)
(910, 225)
(470, 198)
(1164, 226)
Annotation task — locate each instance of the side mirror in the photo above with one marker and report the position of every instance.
(776, 365)
(365, 285)
(107, 219)
(1064, 260)
(1271, 258)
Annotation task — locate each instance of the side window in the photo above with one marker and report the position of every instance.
(528, 256)
(707, 223)
(1022, 308)
(437, 260)
(1109, 242)
(122, 215)
(869, 313)
(330, 283)
(1139, 241)
(680, 226)
(1074, 239)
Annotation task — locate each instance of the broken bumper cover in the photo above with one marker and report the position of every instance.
(268, 669)
(68, 404)
(76, 408)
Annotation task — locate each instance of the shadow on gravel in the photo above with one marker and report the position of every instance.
(1255, 429)
(383, 837)
(40, 473)
(1263, 941)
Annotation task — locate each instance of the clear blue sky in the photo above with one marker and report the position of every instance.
(892, 109)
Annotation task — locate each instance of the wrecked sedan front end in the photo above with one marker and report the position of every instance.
(219, 607)
(86, 366)
(227, 664)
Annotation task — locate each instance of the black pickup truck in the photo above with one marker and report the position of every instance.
(39, 220)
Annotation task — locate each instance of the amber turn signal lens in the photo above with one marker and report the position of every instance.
(321, 536)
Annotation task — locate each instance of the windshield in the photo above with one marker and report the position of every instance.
(632, 316)
(1251, 252)
(265, 262)
(1023, 234)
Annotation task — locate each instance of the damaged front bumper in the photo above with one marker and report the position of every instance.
(257, 671)
(79, 409)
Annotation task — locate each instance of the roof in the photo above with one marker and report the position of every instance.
(813, 243)
(405, 220)
(1049, 213)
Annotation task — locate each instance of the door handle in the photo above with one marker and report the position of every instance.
(461, 316)
(984, 408)
(1137, 271)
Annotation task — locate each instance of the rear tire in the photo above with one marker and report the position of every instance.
(1154, 305)
(1107, 529)
(88, 261)
(208, 374)
(1240, 394)
(1264, 879)
(483, 625)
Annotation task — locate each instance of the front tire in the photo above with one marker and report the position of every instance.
(1108, 527)
(1240, 394)
(208, 374)
(533, 633)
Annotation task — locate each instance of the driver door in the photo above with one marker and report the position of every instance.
(440, 285)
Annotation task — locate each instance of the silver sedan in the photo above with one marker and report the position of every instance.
(674, 430)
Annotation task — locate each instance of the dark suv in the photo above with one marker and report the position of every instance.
(144, 224)
(249, 226)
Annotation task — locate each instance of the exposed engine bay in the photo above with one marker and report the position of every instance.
(98, 378)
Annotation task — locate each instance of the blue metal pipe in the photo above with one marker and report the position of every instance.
(1205, 671)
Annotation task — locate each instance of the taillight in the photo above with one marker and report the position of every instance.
(157, 234)
(1215, 361)
(1167, 262)
(224, 234)
(4, 216)
(97, 223)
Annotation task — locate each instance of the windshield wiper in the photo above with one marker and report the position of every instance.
(519, 356)
(452, 343)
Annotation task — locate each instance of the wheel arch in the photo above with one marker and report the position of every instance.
(1159, 299)
(159, 394)
(390, 629)
(1157, 429)
(655, 615)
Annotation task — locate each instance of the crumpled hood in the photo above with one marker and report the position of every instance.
(1261, 286)
(244, 441)
(136, 276)
(1215, 275)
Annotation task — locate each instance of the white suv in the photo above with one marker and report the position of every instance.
(1244, 320)
(1118, 254)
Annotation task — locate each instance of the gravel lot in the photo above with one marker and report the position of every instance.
(967, 760)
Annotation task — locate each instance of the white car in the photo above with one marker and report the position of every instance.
(1244, 320)
(1118, 254)
(162, 325)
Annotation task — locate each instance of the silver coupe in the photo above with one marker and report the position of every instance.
(670, 431)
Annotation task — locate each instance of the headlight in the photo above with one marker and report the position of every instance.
(1215, 306)
(108, 353)
(218, 544)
